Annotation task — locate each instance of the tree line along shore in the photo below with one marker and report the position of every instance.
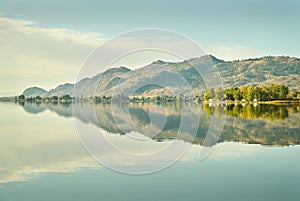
(245, 94)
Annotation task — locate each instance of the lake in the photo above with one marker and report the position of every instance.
(50, 152)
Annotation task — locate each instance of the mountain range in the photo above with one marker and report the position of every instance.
(162, 77)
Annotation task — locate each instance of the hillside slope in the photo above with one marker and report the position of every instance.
(161, 77)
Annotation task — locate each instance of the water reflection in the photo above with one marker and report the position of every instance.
(37, 141)
(32, 144)
(43, 140)
(263, 124)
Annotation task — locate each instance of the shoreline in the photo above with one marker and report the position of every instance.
(274, 102)
(258, 102)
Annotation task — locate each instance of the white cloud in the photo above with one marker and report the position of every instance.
(28, 28)
(233, 51)
(225, 150)
(53, 55)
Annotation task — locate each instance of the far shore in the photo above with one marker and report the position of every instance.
(289, 101)
(167, 99)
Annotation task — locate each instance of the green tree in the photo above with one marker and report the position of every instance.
(273, 92)
(292, 94)
(210, 94)
(66, 97)
(244, 92)
(257, 91)
(21, 97)
(250, 93)
(229, 94)
(220, 93)
(54, 98)
(265, 94)
(237, 94)
(282, 91)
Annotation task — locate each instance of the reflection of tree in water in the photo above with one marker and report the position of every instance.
(250, 111)
(261, 124)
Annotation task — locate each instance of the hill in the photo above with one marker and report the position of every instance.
(261, 71)
(34, 91)
(162, 77)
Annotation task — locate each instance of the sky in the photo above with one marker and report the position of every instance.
(44, 43)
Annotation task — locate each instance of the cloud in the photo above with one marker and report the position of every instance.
(233, 51)
(231, 150)
(53, 55)
(225, 151)
(28, 28)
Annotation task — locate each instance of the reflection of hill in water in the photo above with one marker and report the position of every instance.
(261, 124)
(34, 108)
(64, 110)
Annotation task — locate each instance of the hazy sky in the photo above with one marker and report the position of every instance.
(44, 43)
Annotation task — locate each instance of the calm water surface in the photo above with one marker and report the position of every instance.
(257, 157)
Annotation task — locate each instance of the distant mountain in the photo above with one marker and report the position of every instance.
(61, 90)
(262, 71)
(161, 77)
(34, 91)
